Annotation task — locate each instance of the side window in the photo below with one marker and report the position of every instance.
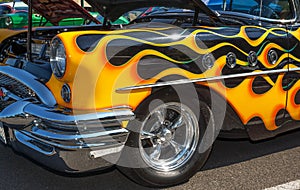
(4, 10)
(273, 9)
(242, 6)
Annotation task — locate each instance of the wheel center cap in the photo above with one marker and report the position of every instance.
(166, 136)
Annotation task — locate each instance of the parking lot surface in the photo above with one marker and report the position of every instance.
(232, 165)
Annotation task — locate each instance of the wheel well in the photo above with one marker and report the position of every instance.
(230, 124)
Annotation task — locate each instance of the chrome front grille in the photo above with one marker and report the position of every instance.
(15, 87)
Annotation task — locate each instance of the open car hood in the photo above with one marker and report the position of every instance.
(56, 10)
(113, 9)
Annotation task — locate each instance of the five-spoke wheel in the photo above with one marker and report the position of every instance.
(166, 144)
(169, 136)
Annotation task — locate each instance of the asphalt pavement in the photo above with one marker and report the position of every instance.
(238, 164)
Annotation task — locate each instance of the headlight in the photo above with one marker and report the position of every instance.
(58, 58)
(8, 21)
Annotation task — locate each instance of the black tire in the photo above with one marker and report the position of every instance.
(139, 160)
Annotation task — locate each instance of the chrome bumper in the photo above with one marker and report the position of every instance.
(66, 141)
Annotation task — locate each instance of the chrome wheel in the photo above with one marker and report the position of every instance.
(169, 136)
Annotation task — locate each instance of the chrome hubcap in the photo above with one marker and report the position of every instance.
(169, 136)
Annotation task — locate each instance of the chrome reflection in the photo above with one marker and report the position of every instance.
(273, 57)
(231, 60)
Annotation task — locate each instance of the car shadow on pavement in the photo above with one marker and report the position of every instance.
(17, 172)
(227, 152)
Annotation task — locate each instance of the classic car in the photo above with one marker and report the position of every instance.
(12, 7)
(150, 97)
(5, 9)
(19, 20)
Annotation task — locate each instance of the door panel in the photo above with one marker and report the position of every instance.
(258, 51)
(262, 49)
(293, 103)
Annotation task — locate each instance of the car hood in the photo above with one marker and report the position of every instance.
(113, 9)
(56, 10)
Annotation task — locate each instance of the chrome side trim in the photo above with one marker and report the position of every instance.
(30, 81)
(294, 69)
(209, 79)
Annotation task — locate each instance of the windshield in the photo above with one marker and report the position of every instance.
(21, 8)
(214, 4)
(272, 9)
(4, 10)
(139, 13)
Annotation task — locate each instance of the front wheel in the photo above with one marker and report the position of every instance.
(165, 146)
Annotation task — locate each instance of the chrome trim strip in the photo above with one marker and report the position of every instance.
(8, 94)
(30, 81)
(24, 113)
(14, 114)
(209, 79)
(67, 147)
(63, 137)
(3, 137)
(51, 114)
(25, 140)
(294, 69)
(100, 153)
(102, 140)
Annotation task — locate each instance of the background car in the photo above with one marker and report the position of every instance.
(16, 6)
(5, 9)
(19, 20)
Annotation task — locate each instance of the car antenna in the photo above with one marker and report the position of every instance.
(29, 30)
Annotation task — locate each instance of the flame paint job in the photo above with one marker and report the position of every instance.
(95, 75)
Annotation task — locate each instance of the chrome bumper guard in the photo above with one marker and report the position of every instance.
(66, 141)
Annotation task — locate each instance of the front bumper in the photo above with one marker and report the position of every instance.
(66, 141)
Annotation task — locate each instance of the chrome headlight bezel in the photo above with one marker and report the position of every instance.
(58, 58)
(66, 93)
